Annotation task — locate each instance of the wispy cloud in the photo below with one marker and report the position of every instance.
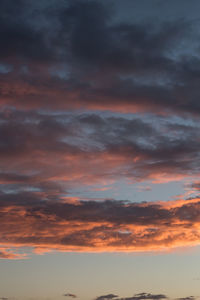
(70, 295)
(106, 297)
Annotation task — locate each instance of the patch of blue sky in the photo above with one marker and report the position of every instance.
(133, 192)
(62, 72)
(5, 68)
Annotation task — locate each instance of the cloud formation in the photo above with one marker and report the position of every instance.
(33, 220)
(106, 297)
(187, 298)
(54, 153)
(141, 296)
(70, 295)
(87, 60)
(88, 100)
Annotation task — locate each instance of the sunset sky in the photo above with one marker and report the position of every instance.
(99, 149)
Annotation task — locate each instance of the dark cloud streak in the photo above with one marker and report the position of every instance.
(70, 295)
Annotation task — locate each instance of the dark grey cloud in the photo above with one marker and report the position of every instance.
(187, 298)
(144, 296)
(77, 50)
(70, 295)
(106, 297)
(120, 47)
(21, 38)
(37, 148)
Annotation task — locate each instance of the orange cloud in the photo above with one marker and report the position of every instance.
(108, 226)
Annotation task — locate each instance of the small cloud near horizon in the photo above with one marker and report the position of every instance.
(70, 295)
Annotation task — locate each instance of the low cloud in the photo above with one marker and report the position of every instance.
(142, 296)
(107, 297)
(70, 295)
(187, 298)
(96, 226)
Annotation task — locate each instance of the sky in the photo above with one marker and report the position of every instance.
(99, 149)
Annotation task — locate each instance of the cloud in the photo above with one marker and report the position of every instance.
(87, 100)
(106, 297)
(6, 253)
(187, 298)
(70, 295)
(195, 186)
(91, 226)
(19, 30)
(87, 60)
(144, 296)
(47, 156)
(36, 150)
